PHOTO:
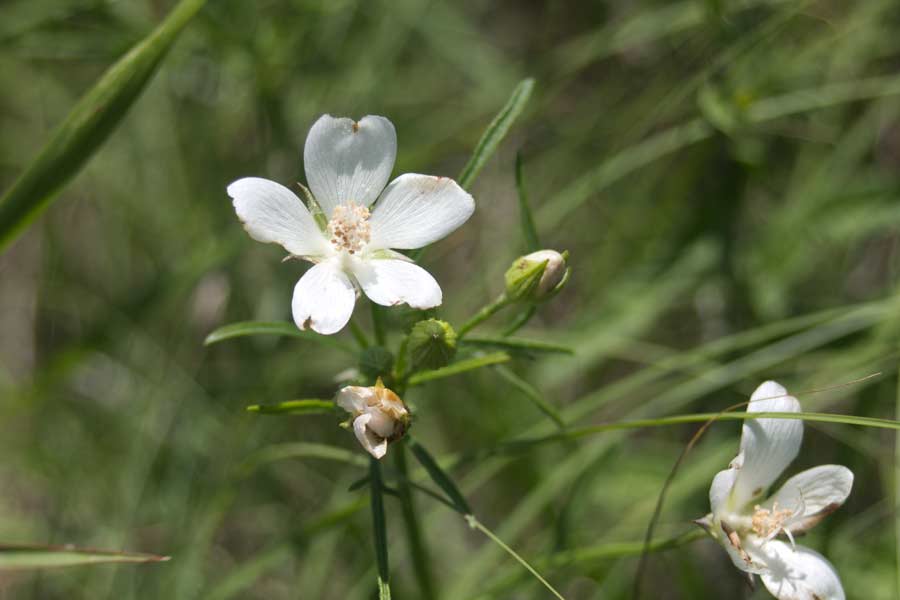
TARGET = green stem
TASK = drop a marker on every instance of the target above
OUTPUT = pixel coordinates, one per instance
(520, 321)
(359, 335)
(380, 529)
(476, 524)
(704, 417)
(483, 315)
(417, 548)
(378, 324)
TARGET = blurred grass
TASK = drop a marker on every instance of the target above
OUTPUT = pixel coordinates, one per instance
(726, 176)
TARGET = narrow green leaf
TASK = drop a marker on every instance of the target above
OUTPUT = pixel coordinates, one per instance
(294, 407)
(88, 125)
(530, 392)
(529, 231)
(14, 557)
(379, 528)
(440, 478)
(518, 345)
(460, 367)
(496, 131)
(282, 328)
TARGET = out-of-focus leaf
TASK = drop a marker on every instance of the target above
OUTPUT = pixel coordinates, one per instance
(496, 131)
(14, 557)
(284, 328)
(88, 125)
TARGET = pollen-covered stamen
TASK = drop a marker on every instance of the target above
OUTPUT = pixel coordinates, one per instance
(769, 523)
(349, 227)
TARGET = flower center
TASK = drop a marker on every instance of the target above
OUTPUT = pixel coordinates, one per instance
(349, 227)
(768, 523)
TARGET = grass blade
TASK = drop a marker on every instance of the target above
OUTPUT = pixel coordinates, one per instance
(458, 367)
(282, 328)
(14, 557)
(496, 131)
(88, 125)
(294, 407)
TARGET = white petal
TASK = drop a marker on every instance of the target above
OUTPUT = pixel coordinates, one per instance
(374, 445)
(747, 558)
(272, 213)
(416, 210)
(323, 299)
(381, 423)
(720, 489)
(391, 282)
(353, 398)
(799, 574)
(813, 492)
(768, 445)
(349, 161)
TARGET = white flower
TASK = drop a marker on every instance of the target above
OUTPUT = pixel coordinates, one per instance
(747, 525)
(347, 166)
(379, 416)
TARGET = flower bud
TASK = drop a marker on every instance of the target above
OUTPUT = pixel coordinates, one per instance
(378, 415)
(537, 276)
(432, 344)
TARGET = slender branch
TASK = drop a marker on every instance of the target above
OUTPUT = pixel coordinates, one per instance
(483, 315)
(476, 524)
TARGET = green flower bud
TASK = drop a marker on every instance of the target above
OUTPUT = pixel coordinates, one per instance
(538, 276)
(431, 345)
(375, 361)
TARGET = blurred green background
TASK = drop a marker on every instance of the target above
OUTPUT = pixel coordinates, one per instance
(726, 176)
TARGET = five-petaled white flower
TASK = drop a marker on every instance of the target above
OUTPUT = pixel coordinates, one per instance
(379, 416)
(747, 525)
(347, 165)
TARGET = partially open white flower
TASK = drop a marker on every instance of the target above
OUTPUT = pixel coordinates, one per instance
(379, 416)
(347, 166)
(747, 525)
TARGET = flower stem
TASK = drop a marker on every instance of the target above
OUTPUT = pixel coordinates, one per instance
(520, 321)
(484, 314)
(359, 335)
(378, 324)
(380, 529)
(417, 548)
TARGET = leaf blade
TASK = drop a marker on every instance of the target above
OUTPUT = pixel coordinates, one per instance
(496, 131)
(18, 557)
(88, 125)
